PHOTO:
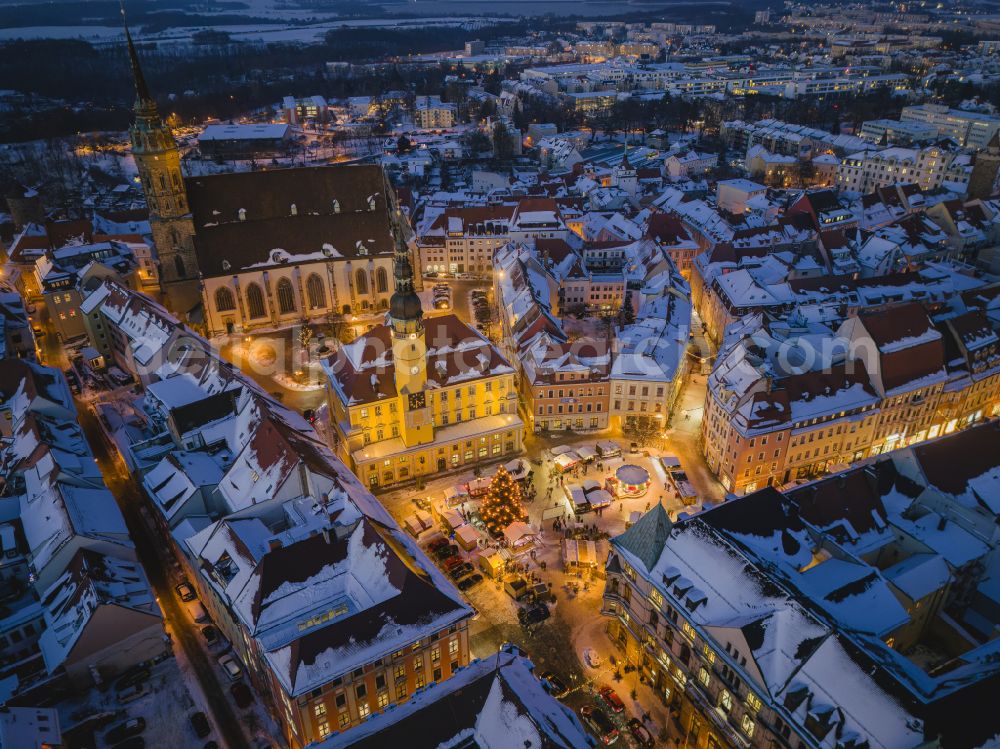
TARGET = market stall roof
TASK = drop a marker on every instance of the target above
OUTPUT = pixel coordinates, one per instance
(468, 535)
(453, 518)
(599, 498)
(609, 447)
(586, 453)
(518, 532)
(632, 475)
(579, 552)
(566, 460)
(518, 468)
(560, 450)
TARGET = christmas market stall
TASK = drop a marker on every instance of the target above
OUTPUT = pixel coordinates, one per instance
(467, 537)
(579, 555)
(492, 562)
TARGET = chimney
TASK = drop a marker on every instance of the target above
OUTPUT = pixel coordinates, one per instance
(942, 523)
(273, 544)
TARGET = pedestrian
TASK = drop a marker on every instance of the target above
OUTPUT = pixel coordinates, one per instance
(647, 507)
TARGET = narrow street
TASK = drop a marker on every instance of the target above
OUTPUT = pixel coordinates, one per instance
(156, 559)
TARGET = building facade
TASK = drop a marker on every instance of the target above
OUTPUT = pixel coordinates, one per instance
(417, 396)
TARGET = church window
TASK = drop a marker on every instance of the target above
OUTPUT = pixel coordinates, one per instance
(179, 266)
(286, 297)
(315, 292)
(224, 301)
(361, 282)
(381, 281)
(163, 181)
(255, 301)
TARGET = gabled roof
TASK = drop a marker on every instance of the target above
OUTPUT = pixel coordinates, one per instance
(645, 539)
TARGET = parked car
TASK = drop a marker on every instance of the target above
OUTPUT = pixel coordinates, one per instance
(598, 722)
(133, 676)
(446, 551)
(452, 563)
(211, 635)
(185, 592)
(592, 658)
(309, 415)
(133, 742)
(197, 612)
(118, 377)
(132, 693)
(610, 698)
(461, 571)
(633, 447)
(553, 684)
(436, 544)
(470, 582)
(640, 733)
(231, 666)
(122, 731)
(241, 694)
(200, 724)
(535, 614)
(74, 381)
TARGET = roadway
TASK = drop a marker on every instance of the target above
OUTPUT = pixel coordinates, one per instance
(157, 561)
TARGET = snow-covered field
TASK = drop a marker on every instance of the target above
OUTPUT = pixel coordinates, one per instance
(278, 32)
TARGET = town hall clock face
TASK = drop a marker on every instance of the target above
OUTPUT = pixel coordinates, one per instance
(416, 401)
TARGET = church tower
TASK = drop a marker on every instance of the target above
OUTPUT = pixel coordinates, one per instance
(409, 347)
(625, 177)
(159, 163)
(982, 181)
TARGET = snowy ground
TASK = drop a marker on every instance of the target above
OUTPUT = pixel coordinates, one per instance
(173, 696)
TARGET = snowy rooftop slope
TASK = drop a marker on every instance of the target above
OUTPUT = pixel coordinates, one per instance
(721, 591)
(381, 597)
(363, 371)
(497, 703)
(90, 581)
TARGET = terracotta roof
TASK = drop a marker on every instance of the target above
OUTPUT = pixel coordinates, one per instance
(268, 194)
(895, 323)
(667, 228)
(950, 463)
(365, 372)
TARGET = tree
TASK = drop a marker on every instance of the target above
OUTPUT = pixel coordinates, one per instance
(403, 144)
(502, 504)
(627, 314)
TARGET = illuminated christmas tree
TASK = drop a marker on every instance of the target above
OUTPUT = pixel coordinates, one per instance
(502, 504)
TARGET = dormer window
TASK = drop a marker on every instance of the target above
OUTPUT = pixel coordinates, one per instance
(335, 204)
(243, 214)
(371, 202)
(295, 210)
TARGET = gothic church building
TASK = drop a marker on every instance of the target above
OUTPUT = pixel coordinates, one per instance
(247, 250)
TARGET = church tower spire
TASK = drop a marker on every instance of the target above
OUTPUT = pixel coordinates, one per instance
(409, 344)
(158, 161)
(143, 100)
